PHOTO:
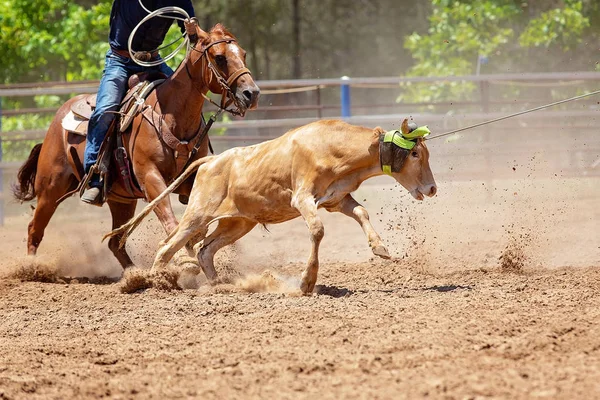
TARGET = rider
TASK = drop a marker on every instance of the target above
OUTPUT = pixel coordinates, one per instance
(124, 17)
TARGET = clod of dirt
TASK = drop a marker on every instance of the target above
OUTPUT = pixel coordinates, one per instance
(35, 270)
(166, 280)
(263, 283)
(513, 258)
(266, 282)
(136, 280)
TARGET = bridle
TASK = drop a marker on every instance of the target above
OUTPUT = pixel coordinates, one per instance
(227, 95)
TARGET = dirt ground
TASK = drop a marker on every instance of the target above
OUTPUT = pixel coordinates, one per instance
(492, 292)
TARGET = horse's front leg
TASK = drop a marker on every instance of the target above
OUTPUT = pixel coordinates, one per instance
(154, 185)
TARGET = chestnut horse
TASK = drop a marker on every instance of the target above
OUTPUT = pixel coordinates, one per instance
(214, 63)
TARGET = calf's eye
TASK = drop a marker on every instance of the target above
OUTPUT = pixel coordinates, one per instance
(414, 154)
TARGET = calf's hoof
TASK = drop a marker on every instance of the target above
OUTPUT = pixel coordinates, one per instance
(184, 260)
(307, 288)
(382, 252)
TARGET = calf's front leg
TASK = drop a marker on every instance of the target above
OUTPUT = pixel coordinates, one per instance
(305, 204)
(355, 210)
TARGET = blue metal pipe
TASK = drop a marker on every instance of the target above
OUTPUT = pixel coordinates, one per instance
(345, 98)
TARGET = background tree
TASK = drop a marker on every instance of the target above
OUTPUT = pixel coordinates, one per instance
(516, 36)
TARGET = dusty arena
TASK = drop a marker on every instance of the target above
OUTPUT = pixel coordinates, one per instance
(492, 291)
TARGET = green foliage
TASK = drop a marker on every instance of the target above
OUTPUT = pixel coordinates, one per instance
(562, 27)
(46, 40)
(459, 32)
(462, 30)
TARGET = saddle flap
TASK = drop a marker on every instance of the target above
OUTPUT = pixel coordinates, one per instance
(72, 122)
(83, 108)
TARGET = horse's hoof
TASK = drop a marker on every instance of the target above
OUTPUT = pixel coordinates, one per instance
(184, 199)
(382, 252)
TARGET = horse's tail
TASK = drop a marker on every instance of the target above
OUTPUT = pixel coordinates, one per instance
(129, 227)
(24, 189)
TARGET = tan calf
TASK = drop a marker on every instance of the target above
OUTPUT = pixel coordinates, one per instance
(317, 165)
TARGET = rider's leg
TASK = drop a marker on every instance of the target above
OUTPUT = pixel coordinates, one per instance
(111, 91)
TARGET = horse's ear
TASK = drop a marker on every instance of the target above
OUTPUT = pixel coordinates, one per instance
(404, 128)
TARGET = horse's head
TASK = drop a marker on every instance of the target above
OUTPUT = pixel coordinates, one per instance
(406, 159)
(224, 68)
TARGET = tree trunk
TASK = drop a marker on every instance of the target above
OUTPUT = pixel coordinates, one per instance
(297, 67)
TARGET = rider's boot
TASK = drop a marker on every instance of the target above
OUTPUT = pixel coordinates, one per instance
(93, 194)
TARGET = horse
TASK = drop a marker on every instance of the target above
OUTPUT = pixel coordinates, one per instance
(215, 63)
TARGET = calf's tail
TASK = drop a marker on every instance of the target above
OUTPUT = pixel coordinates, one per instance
(24, 188)
(126, 229)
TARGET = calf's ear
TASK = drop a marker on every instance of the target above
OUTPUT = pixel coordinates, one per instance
(377, 132)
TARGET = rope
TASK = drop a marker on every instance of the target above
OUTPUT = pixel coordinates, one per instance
(292, 90)
(161, 13)
(534, 84)
(515, 114)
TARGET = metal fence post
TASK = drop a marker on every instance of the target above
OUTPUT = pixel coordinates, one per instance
(319, 105)
(345, 97)
(1, 172)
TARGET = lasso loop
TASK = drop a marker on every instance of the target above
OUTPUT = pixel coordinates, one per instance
(161, 12)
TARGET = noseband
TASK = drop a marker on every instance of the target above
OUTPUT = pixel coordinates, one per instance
(227, 95)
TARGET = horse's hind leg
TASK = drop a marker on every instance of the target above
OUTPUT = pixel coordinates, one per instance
(228, 231)
(47, 198)
(121, 213)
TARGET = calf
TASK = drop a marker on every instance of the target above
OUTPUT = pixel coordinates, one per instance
(317, 165)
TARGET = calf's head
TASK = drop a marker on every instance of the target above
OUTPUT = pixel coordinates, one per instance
(405, 157)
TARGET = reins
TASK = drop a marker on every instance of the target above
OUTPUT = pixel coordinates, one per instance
(514, 114)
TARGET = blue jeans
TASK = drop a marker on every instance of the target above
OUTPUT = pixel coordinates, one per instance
(112, 89)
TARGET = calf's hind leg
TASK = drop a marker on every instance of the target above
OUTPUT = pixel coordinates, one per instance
(308, 209)
(177, 239)
(352, 208)
(228, 231)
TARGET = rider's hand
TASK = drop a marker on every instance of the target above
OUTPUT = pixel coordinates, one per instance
(190, 28)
